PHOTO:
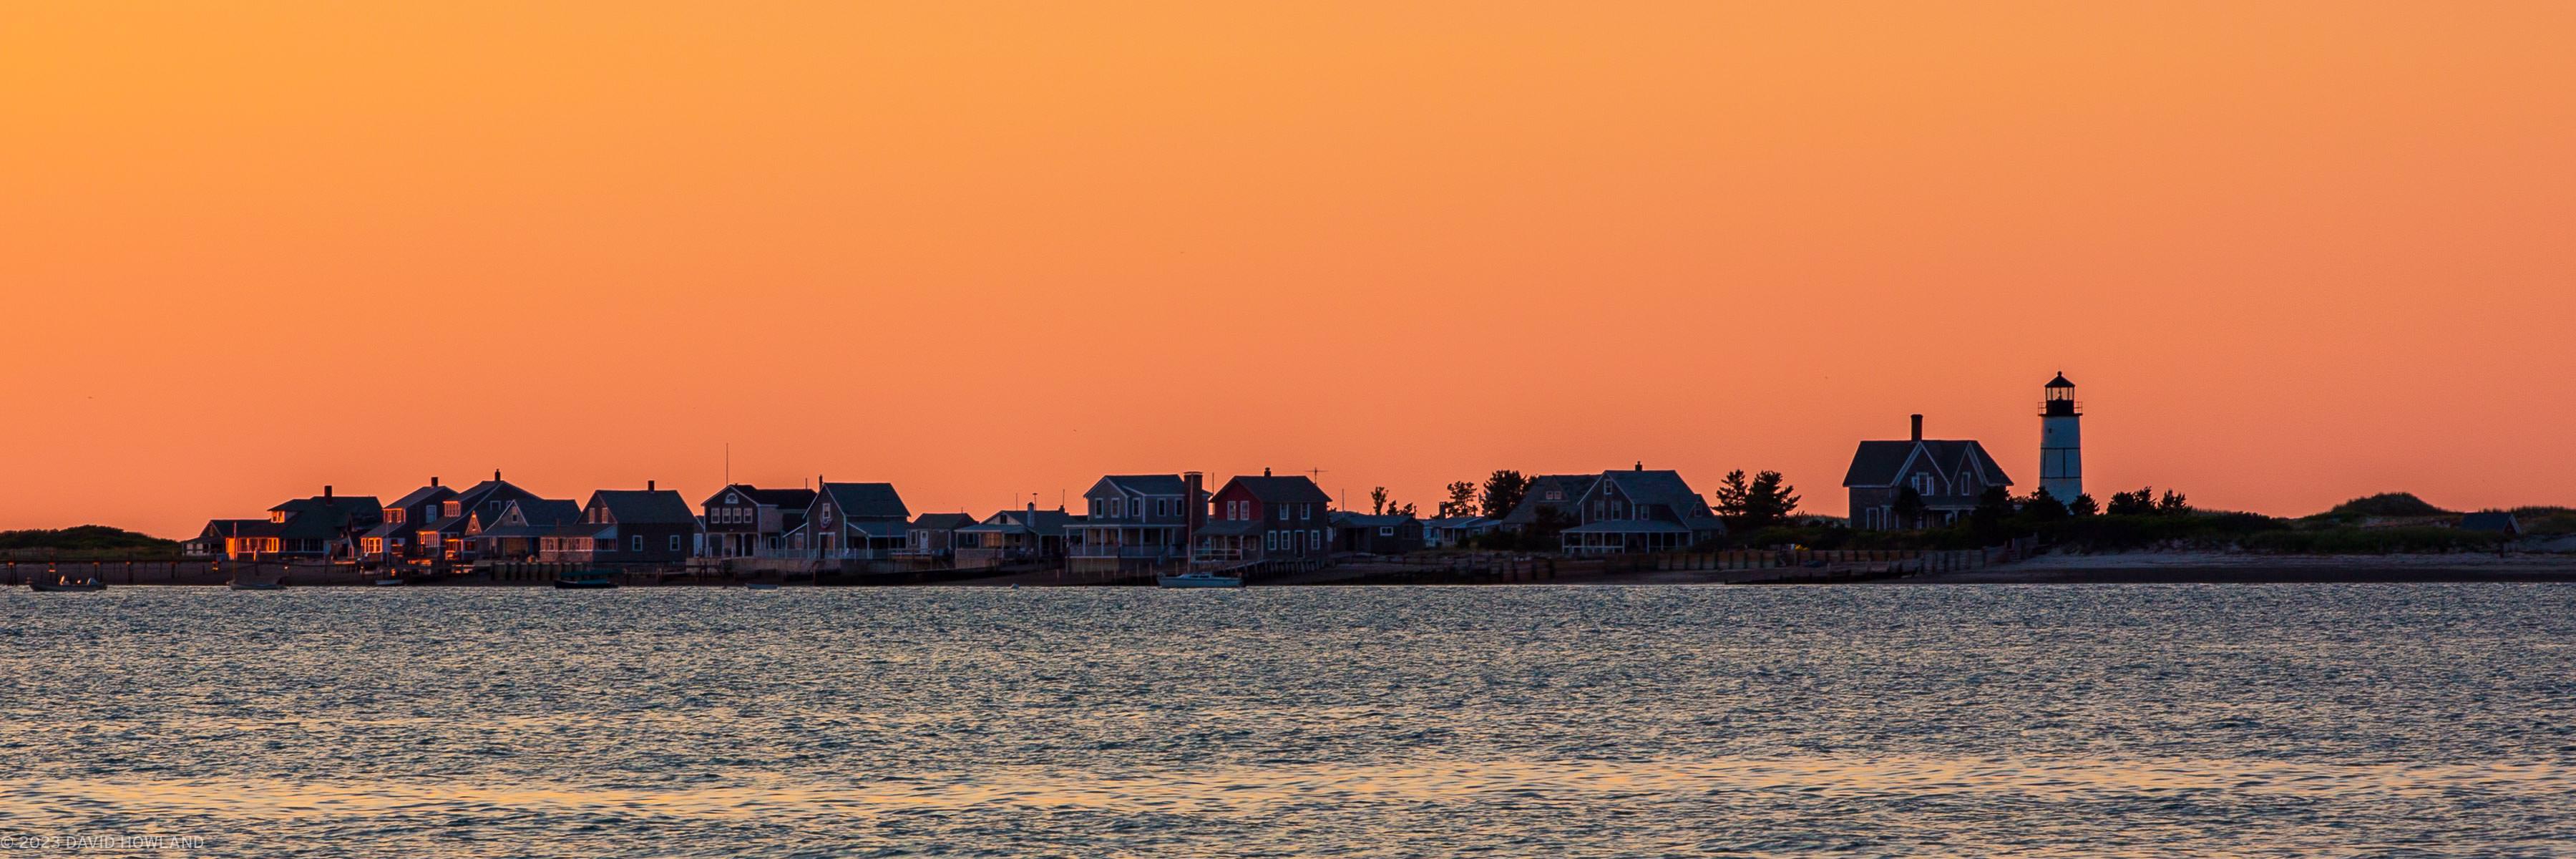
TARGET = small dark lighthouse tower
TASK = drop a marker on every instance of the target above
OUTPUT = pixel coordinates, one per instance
(2061, 442)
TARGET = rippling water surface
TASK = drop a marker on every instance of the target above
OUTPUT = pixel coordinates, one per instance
(2309, 720)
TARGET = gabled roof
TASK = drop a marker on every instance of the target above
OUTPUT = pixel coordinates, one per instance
(1147, 484)
(1571, 486)
(1292, 489)
(1882, 463)
(1659, 486)
(493, 492)
(943, 521)
(798, 498)
(362, 507)
(312, 526)
(867, 501)
(423, 495)
(1045, 522)
(881, 529)
(548, 511)
(241, 528)
(644, 506)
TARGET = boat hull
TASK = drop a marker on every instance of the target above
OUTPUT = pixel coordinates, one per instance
(258, 586)
(583, 584)
(1199, 581)
(60, 588)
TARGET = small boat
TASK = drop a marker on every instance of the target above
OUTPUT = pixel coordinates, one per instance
(386, 582)
(67, 584)
(761, 586)
(586, 580)
(257, 586)
(1199, 580)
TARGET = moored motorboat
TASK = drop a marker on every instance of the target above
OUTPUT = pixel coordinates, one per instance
(385, 582)
(68, 584)
(586, 580)
(257, 586)
(761, 586)
(1199, 580)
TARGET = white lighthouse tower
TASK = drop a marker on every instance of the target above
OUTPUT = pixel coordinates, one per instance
(2061, 442)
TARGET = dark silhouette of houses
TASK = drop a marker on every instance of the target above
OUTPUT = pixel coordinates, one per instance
(1266, 518)
(2491, 522)
(933, 536)
(1136, 520)
(392, 540)
(324, 526)
(854, 521)
(745, 521)
(1377, 534)
(465, 514)
(1548, 507)
(1028, 534)
(518, 531)
(1947, 477)
(1639, 510)
(627, 526)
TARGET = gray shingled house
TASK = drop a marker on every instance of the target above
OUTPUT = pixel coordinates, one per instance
(1947, 474)
(1640, 510)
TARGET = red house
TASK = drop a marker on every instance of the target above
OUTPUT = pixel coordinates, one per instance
(1266, 519)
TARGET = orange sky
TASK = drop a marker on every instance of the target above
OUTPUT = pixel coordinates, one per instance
(2293, 253)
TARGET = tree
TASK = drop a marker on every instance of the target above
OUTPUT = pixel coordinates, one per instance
(2174, 504)
(1909, 507)
(1992, 507)
(1377, 501)
(1770, 501)
(2084, 506)
(2043, 507)
(1734, 497)
(2139, 503)
(1462, 500)
(1504, 491)
(1542, 533)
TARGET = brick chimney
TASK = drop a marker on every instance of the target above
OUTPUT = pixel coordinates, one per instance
(433, 481)
(1918, 427)
(648, 486)
(326, 490)
(1265, 471)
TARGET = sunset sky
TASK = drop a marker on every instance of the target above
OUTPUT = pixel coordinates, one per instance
(2292, 253)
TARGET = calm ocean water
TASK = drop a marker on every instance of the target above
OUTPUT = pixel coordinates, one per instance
(2310, 720)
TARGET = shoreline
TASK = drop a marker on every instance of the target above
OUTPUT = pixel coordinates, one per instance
(2115, 568)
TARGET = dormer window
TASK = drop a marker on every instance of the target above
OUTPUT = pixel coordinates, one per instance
(452, 509)
(277, 515)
